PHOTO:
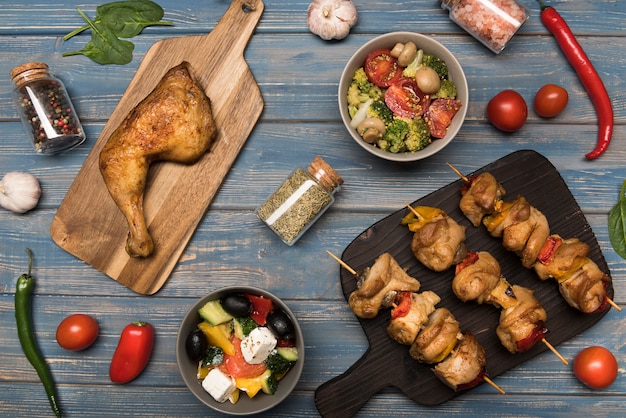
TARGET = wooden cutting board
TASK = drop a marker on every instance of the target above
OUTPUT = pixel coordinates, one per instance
(89, 225)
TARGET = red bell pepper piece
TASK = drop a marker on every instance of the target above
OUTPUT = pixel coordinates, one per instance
(132, 353)
(261, 306)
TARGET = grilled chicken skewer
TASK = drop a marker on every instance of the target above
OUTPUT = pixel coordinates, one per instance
(433, 334)
(525, 231)
(522, 319)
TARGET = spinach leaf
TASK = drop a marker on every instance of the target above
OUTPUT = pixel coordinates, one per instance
(105, 47)
(617, 224)
(128, 18)
(120, 19)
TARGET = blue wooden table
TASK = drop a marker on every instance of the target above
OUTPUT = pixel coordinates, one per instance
(298, 74)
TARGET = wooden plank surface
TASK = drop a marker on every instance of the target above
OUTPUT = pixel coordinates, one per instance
(298, 75)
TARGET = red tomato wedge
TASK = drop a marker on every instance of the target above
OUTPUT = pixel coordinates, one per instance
(440, 114)
(381, 68)
(404, 306)
(261, 306)
(237, 366)
(405, 99)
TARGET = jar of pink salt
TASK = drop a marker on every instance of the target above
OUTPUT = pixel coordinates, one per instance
(492, 22)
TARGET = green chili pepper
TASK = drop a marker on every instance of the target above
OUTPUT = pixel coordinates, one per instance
(23, 316)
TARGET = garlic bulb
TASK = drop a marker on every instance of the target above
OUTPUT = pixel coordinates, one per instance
(331, 19)
(19, 191)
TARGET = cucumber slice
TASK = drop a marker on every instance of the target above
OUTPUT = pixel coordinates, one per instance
(213, 313)
(288, 353)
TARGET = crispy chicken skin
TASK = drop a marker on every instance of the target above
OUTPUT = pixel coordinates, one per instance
(437, 339)
(440, 243)
(378, 285)
(173, 123)
(404, 329)
(480, 197)
(464, 365)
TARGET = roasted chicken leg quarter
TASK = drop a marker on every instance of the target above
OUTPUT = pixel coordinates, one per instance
(173, 123)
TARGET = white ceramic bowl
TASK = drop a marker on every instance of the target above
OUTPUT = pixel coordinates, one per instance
(430, 46)
(245, 406)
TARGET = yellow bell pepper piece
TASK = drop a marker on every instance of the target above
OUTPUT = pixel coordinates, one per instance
(420, 216)
(252, 385)
(218, 336)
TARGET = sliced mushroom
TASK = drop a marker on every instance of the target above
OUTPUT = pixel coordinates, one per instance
(371, 129)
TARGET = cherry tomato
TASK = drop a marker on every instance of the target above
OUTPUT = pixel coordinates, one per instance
(550, 100)
(440, 114)
(77, 332)
(596, 367)
(381, 68)
(405, 99)
(507, 111)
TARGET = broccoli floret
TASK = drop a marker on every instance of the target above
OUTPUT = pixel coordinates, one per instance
(436, 64)
(447, 90)
(418, 135)
(361, 90)
(411, 69)
(395, 135)
(379, 110)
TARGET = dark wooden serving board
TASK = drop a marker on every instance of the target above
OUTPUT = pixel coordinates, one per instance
(89, 225)
(387, 363)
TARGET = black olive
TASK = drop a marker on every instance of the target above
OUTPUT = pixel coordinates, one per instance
(236, 305)
(196, 344)
(279, 323)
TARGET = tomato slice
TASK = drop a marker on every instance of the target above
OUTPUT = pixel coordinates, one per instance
(405, 99)
(237, 366)
(469, 259)
(261, 306)
(440, 114)
(381, 68)
(536, 335)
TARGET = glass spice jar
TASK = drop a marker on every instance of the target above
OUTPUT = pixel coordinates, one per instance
(303, 197)
(45, 109)
(492, 22)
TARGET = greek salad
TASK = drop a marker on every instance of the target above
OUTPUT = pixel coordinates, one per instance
(243, 344)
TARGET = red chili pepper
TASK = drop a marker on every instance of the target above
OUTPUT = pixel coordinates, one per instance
(586, 73)
(132, 353)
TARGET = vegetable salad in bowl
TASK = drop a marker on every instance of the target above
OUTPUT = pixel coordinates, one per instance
(240, 350)
(401, 94)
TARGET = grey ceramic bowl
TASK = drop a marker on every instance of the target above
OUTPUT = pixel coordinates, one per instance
(430, 46)
(245, 406)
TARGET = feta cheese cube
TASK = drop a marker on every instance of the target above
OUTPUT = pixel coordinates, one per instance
(219, 385)
(257, 345)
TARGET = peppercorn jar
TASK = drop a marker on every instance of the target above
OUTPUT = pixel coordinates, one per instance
(302, 198)
(45, 109)
(492, 22)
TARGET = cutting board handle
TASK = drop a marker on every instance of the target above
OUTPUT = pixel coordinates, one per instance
(344, 395)
(238, 24)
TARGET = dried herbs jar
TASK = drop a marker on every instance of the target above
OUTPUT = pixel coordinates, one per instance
(304, 196)
(492, 22)
(45, 109)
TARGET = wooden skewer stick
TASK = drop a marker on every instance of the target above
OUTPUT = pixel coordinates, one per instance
(412, 210)
(613, 304)
(342, 263)
(551, 347)
(494, 385)
(351, 270)
(458, 173)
